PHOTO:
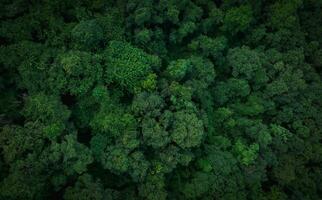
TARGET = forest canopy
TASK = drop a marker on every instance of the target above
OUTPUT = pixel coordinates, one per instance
(161, 99)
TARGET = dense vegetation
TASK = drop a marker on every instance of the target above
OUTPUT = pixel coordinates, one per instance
(161, 99)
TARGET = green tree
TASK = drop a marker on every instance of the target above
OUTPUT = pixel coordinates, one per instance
(187, 129)
(49, 111)
(120, 68)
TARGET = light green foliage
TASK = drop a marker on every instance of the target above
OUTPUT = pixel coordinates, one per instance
(150, 82)
(246, 155)
(178, 69)
(127, 65)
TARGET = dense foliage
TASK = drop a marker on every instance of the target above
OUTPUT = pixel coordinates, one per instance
(161, 99)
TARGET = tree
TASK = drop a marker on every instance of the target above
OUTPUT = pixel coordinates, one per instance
(120, 68)
(154, 133)
(247, 63)
(81, 71)
(87, 34)
(49, 112)
(87, 188)
(167, 99)
(75, 157)
(237, 19)
(153, 188)
(178, 69)
(17, 141)
(187, 129)
(209, 46)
